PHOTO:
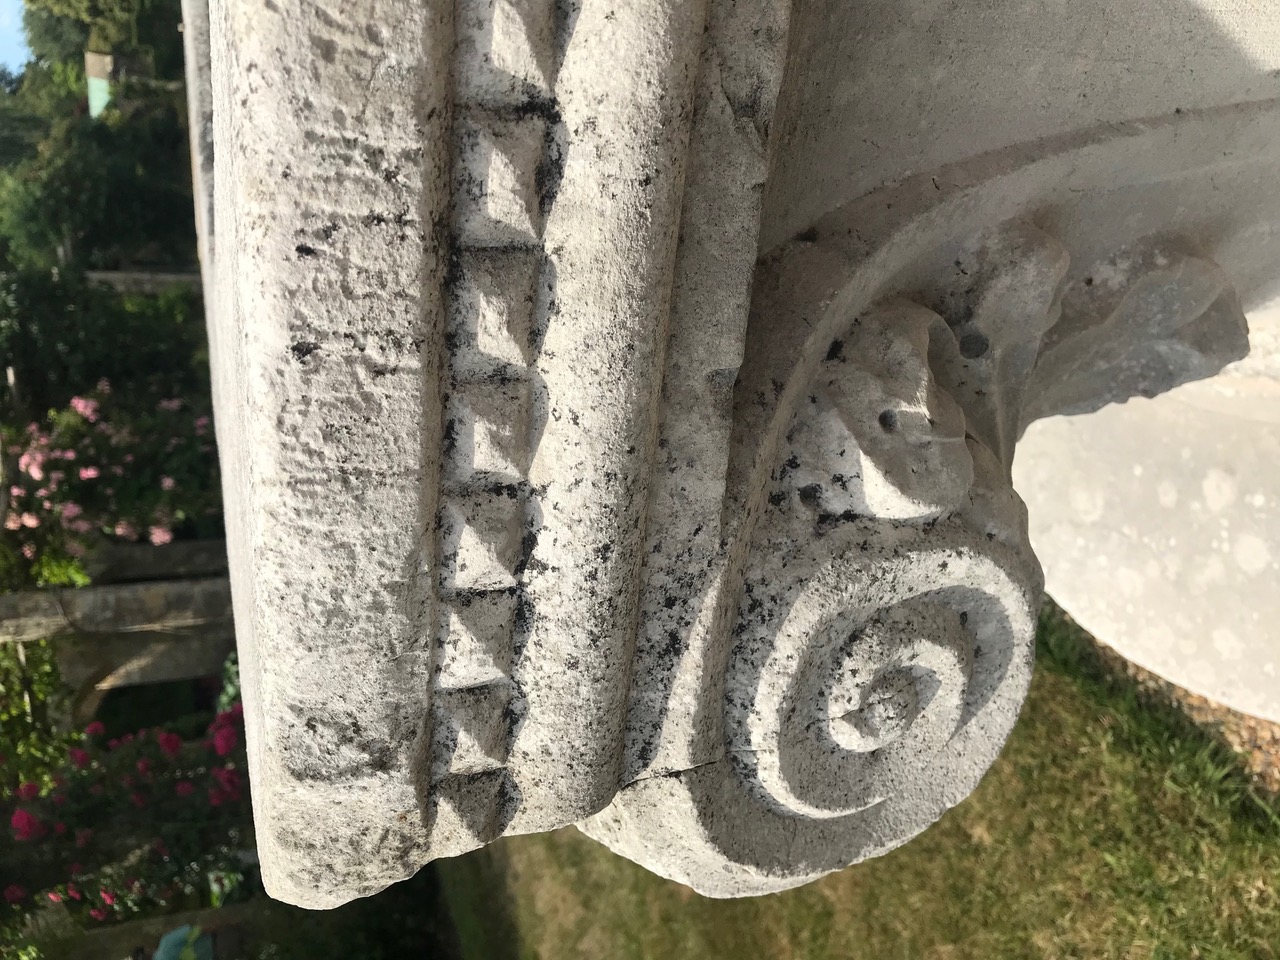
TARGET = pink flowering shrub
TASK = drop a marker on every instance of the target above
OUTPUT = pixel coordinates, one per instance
(97, 469)
(130, 825)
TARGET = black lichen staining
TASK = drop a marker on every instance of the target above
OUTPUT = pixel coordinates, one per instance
(523, 615)
(550, 170)
(828, 521)
(528, 543)
(811, 496)
(333, 748)
(835, 351)
(449, 437)
(301, 349)
(326, 47)
(973, 345)
(306, 250)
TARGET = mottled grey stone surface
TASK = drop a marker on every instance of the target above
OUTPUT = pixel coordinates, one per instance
(618, 401)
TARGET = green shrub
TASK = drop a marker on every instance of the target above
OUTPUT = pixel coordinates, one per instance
(30, 694)
(61, 335)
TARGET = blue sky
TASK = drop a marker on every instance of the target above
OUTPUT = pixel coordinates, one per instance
(13, 48)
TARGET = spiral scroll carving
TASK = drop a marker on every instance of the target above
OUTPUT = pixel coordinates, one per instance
(882, 645)
(879, 642)
(882, 622)
(856, 663)
(878, 634)
(879, 659)
(868, 705)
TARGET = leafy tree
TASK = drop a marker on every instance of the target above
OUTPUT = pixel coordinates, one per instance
(103, 194)
(88, 11)
(62, 335)
(158, 35)
(146, 30)
(53, 91)
(21, 128)
(54, 37)
(72, 9)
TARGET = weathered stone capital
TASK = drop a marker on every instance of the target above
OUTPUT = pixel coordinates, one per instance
(618, 402)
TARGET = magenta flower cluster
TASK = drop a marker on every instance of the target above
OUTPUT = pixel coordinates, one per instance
(151, 780)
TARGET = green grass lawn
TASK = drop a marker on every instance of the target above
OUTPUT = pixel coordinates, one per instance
(1110, 827)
